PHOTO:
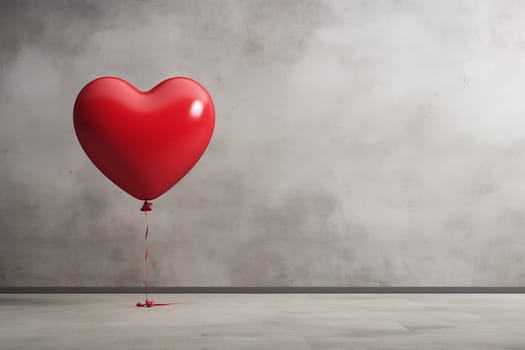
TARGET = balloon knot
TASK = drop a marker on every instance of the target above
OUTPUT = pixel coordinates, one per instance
(146, 206)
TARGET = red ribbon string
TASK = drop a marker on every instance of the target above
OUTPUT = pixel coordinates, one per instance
(147, 303)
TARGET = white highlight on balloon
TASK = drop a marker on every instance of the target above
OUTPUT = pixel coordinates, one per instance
(196, 109)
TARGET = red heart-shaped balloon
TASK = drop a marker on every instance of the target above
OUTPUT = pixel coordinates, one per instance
(144, 142)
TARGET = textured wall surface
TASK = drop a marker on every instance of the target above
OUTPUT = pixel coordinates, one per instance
(358, 143)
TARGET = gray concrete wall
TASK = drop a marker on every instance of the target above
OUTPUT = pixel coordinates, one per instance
(358, 143)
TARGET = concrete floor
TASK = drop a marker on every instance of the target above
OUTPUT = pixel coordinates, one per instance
(264, 321)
